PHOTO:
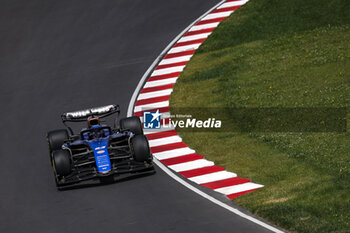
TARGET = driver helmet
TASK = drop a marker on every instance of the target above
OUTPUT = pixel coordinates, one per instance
(96, 131)
(92, 121)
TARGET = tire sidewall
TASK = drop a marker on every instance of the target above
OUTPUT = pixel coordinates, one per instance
(61, 161)
(140, 148)
(56, 139)
(131, 123)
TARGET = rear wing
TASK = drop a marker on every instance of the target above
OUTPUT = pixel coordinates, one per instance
(83, 115)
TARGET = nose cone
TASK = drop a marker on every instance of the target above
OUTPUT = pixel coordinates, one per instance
(102, 160)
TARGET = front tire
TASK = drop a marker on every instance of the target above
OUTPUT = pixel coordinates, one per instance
(140, 148)
(61, 161)
(133, 124)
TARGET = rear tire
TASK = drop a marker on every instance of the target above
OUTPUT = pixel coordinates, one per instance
(133, 124)
(140, 148)
(56, 139)
(62, 162)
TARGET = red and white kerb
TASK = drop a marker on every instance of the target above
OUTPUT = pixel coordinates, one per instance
(166, 145)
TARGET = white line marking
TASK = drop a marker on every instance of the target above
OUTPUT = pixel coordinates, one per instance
(151, 106)
(160, 82)
(164, 141)
(194, 37)
(199, 163)
(173, 153)
(238, 188)
(204, 26)
(162, 166)
(153, 94)
(212, 199)
(230, 4)
(221, 175)
(175, 60)
(184, 48)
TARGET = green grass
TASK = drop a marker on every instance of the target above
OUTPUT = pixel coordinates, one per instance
(279, 54)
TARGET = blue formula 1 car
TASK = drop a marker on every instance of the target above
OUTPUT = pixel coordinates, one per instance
(98, 152)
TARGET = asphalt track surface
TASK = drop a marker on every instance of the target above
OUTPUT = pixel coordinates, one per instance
(58, 56)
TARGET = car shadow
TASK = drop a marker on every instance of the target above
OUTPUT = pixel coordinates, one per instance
(110, 181)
